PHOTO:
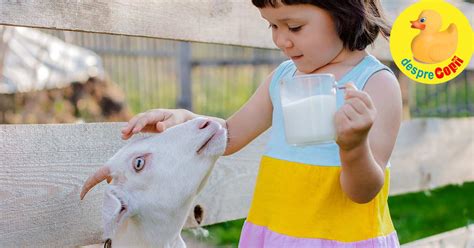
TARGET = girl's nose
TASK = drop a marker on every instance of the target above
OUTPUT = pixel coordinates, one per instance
(282, 41)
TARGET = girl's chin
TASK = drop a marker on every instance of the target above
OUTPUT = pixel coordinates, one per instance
(307, 68)
(304, 69)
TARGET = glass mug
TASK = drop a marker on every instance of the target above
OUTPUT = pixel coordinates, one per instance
(309, 105)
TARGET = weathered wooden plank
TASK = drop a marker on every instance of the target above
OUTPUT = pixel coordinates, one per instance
(41, 171)
(216, 21)
(460, 237)
(235, 22)
(432, 152)
(42, 168)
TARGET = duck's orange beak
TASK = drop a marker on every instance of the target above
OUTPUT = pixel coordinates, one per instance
(418, 25)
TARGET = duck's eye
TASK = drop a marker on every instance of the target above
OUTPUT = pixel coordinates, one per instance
(423, 19)
(139, 164)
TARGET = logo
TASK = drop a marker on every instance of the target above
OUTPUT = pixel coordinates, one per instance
(431, 42)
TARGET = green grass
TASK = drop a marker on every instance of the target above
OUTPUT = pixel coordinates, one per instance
(415, 215)
(419, 215)
(158, 96)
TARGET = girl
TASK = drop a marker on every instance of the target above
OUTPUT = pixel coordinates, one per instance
(327, 195)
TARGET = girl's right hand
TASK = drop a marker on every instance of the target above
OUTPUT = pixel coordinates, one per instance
(155, 121)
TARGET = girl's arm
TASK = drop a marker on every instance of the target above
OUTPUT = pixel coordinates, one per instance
(367, 127)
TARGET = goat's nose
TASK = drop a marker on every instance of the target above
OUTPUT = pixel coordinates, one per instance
(204, 123)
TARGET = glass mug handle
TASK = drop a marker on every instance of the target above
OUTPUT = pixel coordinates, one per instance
(342, 87)
(336, 87)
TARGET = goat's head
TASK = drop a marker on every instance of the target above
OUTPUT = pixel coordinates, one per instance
(156, 178)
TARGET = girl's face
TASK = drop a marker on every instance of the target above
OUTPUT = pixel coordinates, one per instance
(305, 33)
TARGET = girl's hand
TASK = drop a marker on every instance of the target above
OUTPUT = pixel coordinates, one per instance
(155, 121)
(354, 119)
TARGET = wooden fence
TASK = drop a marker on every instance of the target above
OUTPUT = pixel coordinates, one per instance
(42, 167)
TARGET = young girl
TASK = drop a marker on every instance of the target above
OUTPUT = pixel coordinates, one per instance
(328, 195)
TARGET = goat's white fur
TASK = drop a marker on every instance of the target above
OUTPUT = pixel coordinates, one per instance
(158, 198)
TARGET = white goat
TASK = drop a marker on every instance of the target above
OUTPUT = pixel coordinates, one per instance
(154, 181)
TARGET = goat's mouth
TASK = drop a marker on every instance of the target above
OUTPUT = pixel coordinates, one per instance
(123, 209)
(201, 149)
(114, 211)
(213, 143)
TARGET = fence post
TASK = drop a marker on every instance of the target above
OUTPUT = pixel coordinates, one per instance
(184, 70)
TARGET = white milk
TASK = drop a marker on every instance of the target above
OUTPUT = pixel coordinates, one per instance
(310, 120)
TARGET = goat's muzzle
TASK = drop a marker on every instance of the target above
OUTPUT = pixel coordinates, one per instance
(103, 173)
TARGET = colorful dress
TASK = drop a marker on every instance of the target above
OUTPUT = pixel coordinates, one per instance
(298, 200)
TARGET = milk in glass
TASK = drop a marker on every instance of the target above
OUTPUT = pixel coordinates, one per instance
(310, 120)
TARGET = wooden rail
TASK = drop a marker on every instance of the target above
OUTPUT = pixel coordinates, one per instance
(461, 237)
(233, 22)
(42, 168)
(226, 22)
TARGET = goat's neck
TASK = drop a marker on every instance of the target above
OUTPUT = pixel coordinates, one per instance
(135, 234)
(158, 229)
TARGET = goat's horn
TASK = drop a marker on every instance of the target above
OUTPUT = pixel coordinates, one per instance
(100, 175)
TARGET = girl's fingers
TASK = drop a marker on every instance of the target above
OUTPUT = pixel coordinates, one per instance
(355, 121)
(350, 86)
(350, 112)
(125, 136)
(165, 122)
(146, 128)
(148, 122)
(358, 105)
(140, 124)
(353, 92)
(160, 127)
(125, 133)
(132, 123)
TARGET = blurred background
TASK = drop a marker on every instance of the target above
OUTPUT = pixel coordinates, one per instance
(136, 74)
(50, 76)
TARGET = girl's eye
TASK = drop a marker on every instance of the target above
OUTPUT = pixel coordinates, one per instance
(423, 19)
(294, 29)
(271, 26)
(139, 164)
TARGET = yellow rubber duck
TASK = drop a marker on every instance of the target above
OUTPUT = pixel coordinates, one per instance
(431, 45)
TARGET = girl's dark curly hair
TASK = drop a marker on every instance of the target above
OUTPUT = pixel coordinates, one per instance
(358, 22)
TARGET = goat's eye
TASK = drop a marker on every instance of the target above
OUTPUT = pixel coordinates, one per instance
(139, 164)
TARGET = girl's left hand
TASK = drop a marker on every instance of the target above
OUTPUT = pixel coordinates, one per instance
(354, 119)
